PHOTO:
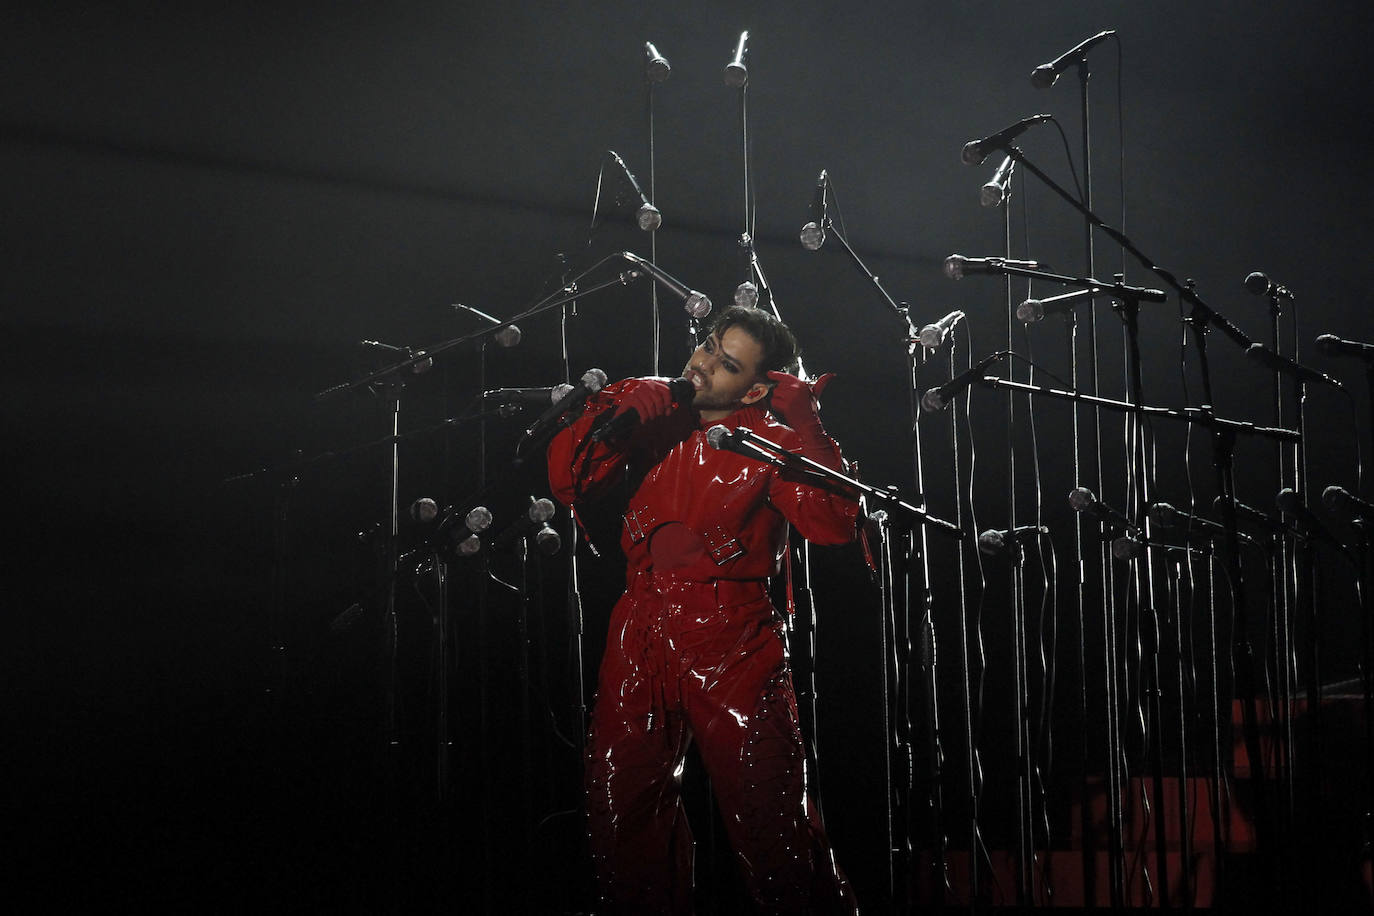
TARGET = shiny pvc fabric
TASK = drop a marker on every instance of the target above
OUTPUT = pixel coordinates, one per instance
(696, 652)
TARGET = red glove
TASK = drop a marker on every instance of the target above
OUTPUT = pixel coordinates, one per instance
(651, 398)
(798, 403)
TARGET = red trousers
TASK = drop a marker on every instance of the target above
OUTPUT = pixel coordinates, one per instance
(702, 661)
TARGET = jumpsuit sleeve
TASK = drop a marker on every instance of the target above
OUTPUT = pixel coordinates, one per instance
(580, 469)
(822, 517)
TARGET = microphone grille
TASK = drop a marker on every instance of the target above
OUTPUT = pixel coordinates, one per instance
(973, 153)
(1257, 283)
(1127, 548)
(1328, 344)
(812, 236)
(991, 542)
(1333, 497)
(736, 75)
(649, 218)
(954, 266)
(1082, 499)
(424, 510)
(1164, 514)
(1031, 311)
(716, 436)
(547, 541)
(991, 195)
(1288, 501)
(1044, 76)
(933, 400)
(508, 336)
(697, 305)
(747, 294)
(931, 336)
(594, 379)
(559, 392)
(656, 66)
(478, 519)
(541, 510)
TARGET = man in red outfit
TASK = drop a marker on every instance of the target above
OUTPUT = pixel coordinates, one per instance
(696, 649)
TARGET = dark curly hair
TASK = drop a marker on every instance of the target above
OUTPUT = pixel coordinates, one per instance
(780, 351)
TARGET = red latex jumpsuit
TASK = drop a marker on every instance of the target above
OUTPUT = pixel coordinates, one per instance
(695, 652)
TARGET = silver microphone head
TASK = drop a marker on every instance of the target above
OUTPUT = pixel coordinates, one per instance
(424, 510)
(716, 436)
(648, 217)
(656, 66)
(954, 266)
(1127, 548)
(508, 336)
(594, 379)
(812, 236)
(931, 336)
(470, 546)
(747, 294)
(1082, 499)
(541, 510)
(736, 73)
(696, 304)
(547, 541)
(478, 519)
(1030, 311)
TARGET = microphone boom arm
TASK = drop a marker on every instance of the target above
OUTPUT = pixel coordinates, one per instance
(773, 453)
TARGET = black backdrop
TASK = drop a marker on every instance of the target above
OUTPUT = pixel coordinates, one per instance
(206, 210)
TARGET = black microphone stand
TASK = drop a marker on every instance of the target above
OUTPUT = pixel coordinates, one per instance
(1115, 762)
(917, 559)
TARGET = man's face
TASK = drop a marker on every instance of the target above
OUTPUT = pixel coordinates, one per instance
(725, 372)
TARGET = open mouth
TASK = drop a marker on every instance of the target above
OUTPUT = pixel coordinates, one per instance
(696, 378)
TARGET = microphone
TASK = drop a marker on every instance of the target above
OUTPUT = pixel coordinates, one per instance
(1260, 284)
(1044, 76)
(593, 380)
(423, 511)
(956, 265)
(532, 519)
(1169, 517)
(1127, 547)
(648, 216)
(1268, 358)
(996, 542)
(1033, 310)
(736, 73)
(998, 189)
(527, 397)
(508, 336)
(1252, 515)
(465, 534)
(622, 424)
(694, 303)
(1084, 500)
(656, 66)
(975, 151)
(932, 335)
(1341, 501)
(721, 437)
(419, 368)
(1332, 345)
(936, 398)
(813, 233)
(747, 293)
(1290, 501)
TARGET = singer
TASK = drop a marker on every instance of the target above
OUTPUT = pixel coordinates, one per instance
(696, 650)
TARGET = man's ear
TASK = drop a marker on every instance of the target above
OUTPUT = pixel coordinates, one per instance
(757, 392)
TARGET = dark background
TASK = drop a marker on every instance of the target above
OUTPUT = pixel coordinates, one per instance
(205, 211)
